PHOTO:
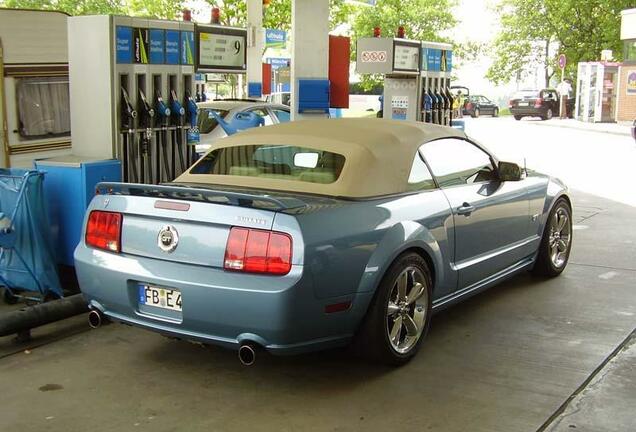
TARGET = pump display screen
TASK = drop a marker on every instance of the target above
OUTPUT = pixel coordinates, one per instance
(406, 56)
(221, 49)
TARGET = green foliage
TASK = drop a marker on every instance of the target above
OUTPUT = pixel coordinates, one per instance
(580, 29)
(424, 20)
(167, 9)
(277, 15)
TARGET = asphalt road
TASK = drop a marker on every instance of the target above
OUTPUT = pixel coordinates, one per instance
(528, 355)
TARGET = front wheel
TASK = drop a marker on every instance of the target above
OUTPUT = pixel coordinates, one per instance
(399, 315)
(556, 243)
(548, 114)
(517, 117)
(495, 112)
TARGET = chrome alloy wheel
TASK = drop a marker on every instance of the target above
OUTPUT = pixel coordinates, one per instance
(560, 237)
(406, 310)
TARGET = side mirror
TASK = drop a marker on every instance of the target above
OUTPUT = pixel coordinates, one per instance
(509, 171)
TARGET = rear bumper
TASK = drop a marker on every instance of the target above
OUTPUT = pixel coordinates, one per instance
(528, 111)
(219, 307)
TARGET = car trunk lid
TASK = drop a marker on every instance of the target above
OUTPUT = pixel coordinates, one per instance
(186, 224)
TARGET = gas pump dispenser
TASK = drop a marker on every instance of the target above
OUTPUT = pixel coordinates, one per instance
(140, 72)
(416, 77)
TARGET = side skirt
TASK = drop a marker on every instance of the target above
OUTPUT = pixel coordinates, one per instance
(471, 290)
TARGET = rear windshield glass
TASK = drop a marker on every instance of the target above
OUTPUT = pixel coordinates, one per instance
(526, 94)
(273, 161)
(205, 122)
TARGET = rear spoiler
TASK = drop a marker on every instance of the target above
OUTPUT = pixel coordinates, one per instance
(199, 194)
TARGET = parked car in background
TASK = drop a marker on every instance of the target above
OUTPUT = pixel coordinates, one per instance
(313, 234)
(210, 130)
(538, 103)
(476, 105)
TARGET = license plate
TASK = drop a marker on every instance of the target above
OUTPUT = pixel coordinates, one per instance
(164, 298)
(524, 103)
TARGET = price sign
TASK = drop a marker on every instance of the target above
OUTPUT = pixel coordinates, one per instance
(406, 57)
(221, 49)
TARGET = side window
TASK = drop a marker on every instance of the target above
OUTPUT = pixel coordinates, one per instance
(282, 115)
(457, 162)
(43, 107)
(420, 177)
(263, 113)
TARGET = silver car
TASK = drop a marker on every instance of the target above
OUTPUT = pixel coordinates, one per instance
(211, 131)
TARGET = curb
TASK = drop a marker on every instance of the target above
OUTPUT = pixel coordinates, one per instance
(565, 126)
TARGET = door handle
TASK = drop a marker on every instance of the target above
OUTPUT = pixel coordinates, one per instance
(465, 209)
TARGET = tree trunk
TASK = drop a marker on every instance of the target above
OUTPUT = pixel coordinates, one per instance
(547, 63)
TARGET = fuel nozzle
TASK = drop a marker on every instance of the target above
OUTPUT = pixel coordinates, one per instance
(191, 108)
(128, 113)
(147, 114)
(176, 108)
(161, 107)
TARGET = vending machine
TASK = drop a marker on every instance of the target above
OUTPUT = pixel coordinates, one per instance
(596, 92)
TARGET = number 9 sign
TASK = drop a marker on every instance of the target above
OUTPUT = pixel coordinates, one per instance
(237, 47)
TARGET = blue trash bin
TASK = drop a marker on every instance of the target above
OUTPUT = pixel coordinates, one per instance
(27, 263)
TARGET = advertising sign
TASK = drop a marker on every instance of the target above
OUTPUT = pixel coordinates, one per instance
(157, 46)
(278, 62)
(124, 43)
(631, 82)
(172, 39)
(140, 45)
(406, 56)
(275, 38)
(221, 49)
(187, 48)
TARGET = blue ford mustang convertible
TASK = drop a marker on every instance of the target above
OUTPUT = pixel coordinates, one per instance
(315, 234)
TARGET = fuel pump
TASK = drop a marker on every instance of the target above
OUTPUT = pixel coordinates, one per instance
(146, 123)
(446, 105)
(162, 140)
(451, 100)
(434, 107)
(127, 121)
(177, 115)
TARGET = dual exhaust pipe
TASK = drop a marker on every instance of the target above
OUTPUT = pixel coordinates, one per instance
(246, 352)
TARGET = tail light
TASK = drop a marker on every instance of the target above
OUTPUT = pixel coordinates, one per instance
(511, 103)
(469, 105)
(103, 230)
(258, 251)
(538, 103)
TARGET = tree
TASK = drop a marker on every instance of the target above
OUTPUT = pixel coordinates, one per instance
(534, 33)
(423, 20)
(166, 9)
(277, 15)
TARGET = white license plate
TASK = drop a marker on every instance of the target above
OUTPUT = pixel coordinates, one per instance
(164, 298)
(524, 103)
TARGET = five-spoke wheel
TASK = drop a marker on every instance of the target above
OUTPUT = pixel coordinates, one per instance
(556, 243)
(406, 309)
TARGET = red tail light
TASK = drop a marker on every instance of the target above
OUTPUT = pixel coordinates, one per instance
(469, 105)
(538, 103)
(258, 251)
(511, 103)
(103, 231)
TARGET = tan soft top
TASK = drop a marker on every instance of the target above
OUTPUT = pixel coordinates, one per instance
(378, 154)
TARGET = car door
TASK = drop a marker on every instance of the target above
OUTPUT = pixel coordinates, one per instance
(490, 106)
(491, 217)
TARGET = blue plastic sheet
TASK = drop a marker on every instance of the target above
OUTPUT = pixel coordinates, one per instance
(26, 259)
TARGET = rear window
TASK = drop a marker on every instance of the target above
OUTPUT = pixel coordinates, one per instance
(205, 122)
(526, 94)
(282, 162)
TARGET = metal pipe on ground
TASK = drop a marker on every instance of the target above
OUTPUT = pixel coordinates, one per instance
(38, 315)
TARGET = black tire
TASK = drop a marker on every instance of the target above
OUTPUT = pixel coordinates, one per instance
(9, 298)
(518, 117)
(544, 266)
(548, 115)
(379, 114)
(372, 339)
(495, 112)
(475, 113)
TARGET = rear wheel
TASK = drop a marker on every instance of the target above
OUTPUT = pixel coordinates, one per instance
(554, 250)
(548, 114)
(476, 113)
(399, 315)
(517, 117)
(495, 112)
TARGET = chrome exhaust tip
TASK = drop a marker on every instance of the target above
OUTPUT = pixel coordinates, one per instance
(247, 354)
(95, 319)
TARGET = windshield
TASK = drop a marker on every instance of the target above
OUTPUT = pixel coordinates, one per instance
(207, 124)
(281, 162)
